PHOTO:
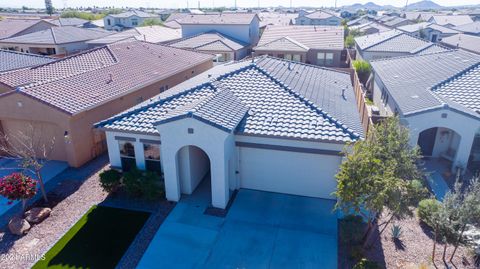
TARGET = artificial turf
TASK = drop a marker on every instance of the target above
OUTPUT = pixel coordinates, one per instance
(98, 240)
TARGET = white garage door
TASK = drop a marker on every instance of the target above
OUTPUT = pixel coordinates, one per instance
(288, 172)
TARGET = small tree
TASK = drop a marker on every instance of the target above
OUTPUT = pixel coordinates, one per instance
(151, 21)
(380, 173)
(363, 69)
(49, 7)
(32, 148)
(16, 187)
(349, 41)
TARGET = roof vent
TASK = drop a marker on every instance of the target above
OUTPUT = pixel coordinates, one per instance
(290, 66)
(110, 78)
(343, 93)
(414, 96)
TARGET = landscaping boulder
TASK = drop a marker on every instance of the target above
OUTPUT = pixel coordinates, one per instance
(18, 226)
(37, 214)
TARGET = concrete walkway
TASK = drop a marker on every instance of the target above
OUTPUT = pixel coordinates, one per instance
(261, 230)
(434, 170)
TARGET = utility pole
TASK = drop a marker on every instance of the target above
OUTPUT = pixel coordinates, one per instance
(198, 4)
(406, 4)
(235, 4)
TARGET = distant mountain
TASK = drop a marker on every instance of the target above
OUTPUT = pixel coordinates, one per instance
(423, 5)
(369, 5)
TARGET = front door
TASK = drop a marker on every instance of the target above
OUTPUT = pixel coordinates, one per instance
(426, 141)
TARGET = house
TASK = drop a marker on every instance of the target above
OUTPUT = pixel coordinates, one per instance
(64, 98)
(318, 17)
(370, 28)
(275, 18)
(437, 96)
(251, 124)
(153, 34)
(361, 20)
(429, 31)
(318, 45)
(466, 42)
(450, 20)
(173, 19)
(244, 27)
(224, 47)
(392, 43)
(57, 41)
(17, 27)
(11, 60)
(77, 22)
(469, 28)
(417, 15)
(129, 19)
(397, 22)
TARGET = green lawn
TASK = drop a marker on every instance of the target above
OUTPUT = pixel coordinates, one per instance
(98, 240)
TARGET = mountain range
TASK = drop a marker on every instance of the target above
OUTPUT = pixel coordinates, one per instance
(422, 5)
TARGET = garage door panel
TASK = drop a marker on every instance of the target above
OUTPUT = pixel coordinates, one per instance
(288, 172)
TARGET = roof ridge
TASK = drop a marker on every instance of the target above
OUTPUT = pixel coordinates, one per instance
(284, 37)
(457, 75)
(304, 64)
(27, 54)
(309, 103)
(386, 39)
(412, 55)
(53, 35)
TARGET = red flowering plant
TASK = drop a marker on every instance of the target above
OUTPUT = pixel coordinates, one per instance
(18, 186)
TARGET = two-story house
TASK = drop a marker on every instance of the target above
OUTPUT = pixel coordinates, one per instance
(318, 17)
(129, 19)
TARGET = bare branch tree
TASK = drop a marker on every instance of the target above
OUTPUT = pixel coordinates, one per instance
(32, 147)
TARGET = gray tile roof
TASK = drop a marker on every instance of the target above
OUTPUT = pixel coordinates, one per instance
(152, 34)
(256, 99)
(222, 18)
(451, 19)
(11, 60)
(11, 27)
(213, 41)
(363, 27)
(301, 37)
(137, 13)
(394, 41)
(58, 35)
(469, 28)
(275, 18)
(424, 25)
(320, 14)
(464, 41)
(69, 22)
(413, 81)
(84, 80)
(394, 22)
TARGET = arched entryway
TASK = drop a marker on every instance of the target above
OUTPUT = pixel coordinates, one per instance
(439, 142)
(193, 170)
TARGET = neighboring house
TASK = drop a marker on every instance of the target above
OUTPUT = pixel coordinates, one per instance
(129, 19)
(241, 123)
(469, 28)
(392, 44)
(244, 27)
(318, 17)
(318, 45)
(370, 28)
(11, 60)
(57, 41)
(77, 22)
(417, 15)
(276, 18)
(437, 98)
(429, 31)
(94, 24)
(361, 20)
(466, 42)
(153, 34)
(450, 20)
(224, 48)
(64, 98)
(397, 22)
(173, 20)
(17, 27)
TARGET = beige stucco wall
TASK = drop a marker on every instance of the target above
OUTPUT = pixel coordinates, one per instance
(83, 144)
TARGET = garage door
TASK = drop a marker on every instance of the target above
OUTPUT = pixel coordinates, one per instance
(288, 172)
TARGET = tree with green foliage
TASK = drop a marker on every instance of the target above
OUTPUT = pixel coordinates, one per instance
(363, 69)
(349, 41)
(49, 7)
(380, 172)
(82, 15)
(151, 21)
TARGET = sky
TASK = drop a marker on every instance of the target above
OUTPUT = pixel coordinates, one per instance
(216, 3)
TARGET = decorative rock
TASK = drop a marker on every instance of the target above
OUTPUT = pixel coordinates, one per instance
(18, 226)
(37, 214)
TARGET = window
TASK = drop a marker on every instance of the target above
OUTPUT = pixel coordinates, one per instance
(288, 57)
(109, 22)
(127, 155)
(134, 22)
(152, 157)
(139, 99)
(321, 58)
(280, 55)
(297, 57)
(162, 88)
(328, 59)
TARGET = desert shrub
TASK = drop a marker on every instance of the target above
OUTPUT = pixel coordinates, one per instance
(110, 180)
(363, 69)
(396, 232)
(426, 209)
(366, 264)
(147, 185)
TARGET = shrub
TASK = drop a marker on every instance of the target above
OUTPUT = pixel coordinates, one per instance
(363, 69)
(426, 209)
(17, 186)
(110, 180)
(132, 181)
(349, 41)
(352, 230)
(152, 21)
(366, 264)
(144, 184)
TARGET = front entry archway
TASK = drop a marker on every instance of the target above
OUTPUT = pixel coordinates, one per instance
(193, 166)
(439, 142)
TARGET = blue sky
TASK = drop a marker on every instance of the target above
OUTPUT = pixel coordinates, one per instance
(209, 3)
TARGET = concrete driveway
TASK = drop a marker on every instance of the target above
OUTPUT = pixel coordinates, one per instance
(261, 230)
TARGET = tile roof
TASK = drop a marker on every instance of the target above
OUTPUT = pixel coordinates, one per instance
(152, 34)
(222, 18)
(320, 15)
(301, 37)
(11, 27)
(212, 41)
(413, 81)
(469, 28)
(69, 22)
(270, 97)
(84, 80)
(394, 41)
(11, 60)
(130, 13)
(275, 18)
(363, 27)
(58, 35)
(424, 25)
(464, 41)
(455, 20)
(394, 22)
